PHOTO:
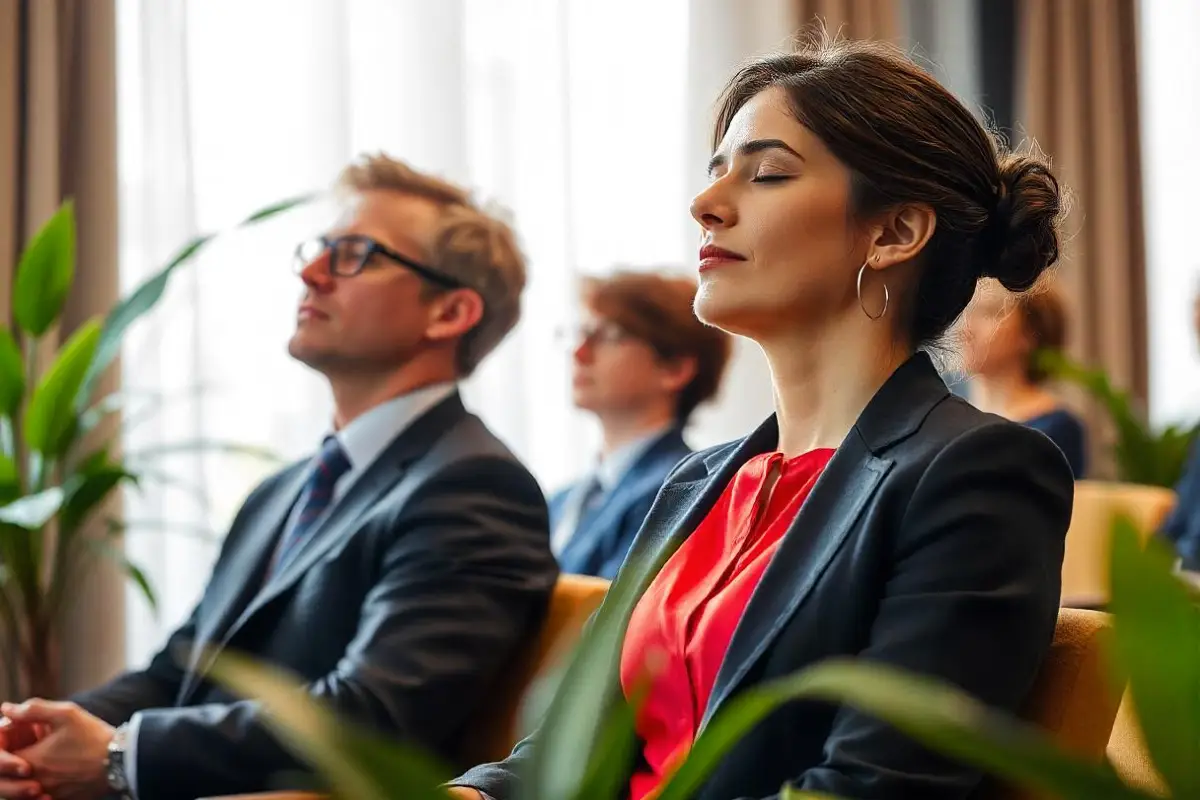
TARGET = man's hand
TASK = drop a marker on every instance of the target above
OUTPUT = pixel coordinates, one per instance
(67, 763)
(15, 780)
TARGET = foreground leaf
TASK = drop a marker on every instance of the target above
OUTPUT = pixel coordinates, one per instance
(50, 421)
(87, 489)
(12, 374)
(32, 512)
(1157, 636)
(942, 718)
(150, 292)
(357, 764)
(45, 273)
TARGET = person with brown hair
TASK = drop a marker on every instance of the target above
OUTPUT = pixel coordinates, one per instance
(642, 363)
(853, 205)
(1002, 336)
(396, 572)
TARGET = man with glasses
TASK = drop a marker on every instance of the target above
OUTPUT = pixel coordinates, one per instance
(397, 572)
(642, 363)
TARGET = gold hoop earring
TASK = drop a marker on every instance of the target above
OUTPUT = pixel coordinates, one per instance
(886, 295)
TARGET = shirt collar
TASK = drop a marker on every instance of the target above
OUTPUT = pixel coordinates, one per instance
(610, 470)
(367, 436)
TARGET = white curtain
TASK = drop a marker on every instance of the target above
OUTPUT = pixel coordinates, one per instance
(588, 121)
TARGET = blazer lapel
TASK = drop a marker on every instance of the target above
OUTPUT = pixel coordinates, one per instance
(822, 525)
(828, 516)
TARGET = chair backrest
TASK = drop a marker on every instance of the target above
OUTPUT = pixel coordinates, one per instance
(1128, 754)
(1072, 698)
(1085, 563)
(496, 728)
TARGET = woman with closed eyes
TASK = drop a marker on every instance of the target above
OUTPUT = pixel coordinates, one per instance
(852, 207)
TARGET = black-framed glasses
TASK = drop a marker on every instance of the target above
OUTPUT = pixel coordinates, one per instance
(592, 333)
(350, 254)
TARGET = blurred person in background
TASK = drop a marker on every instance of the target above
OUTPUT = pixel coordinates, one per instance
(853, 205)
(1182, 527)
(1002, 335)
(641, 364)
(396, 572)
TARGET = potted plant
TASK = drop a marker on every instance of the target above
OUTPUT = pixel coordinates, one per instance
(1142, 454)
(584, 747)
(54, 476)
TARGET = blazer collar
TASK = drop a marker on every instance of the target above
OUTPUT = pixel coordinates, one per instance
(893, 414)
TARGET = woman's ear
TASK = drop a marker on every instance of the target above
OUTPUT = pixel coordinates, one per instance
(901, 235)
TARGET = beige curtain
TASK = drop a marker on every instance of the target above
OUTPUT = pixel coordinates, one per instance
(851, 19)
(1078, 99)
(58, 139)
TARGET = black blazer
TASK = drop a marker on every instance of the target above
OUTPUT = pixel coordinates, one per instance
(933, 541)
(400, 611)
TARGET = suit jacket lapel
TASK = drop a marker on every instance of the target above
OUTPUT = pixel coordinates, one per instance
(413, 443)
(828, 516)
(236, 583)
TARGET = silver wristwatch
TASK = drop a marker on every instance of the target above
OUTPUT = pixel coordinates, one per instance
(114, 765)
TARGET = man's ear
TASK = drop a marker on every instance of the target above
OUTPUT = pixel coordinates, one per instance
(454, 313)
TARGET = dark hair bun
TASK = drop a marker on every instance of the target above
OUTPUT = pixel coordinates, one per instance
(1021, 238)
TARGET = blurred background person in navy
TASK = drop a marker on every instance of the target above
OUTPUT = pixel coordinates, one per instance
(641, 363)
(1002, 335)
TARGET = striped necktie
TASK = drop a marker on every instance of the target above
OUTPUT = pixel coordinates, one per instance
(330, 464)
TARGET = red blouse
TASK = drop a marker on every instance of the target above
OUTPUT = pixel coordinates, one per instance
(684, 622)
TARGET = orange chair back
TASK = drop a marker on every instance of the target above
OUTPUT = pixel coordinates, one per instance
(496, 729)
(1072, 698)
(1085, 562)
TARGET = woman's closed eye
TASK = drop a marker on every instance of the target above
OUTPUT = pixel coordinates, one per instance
(771, 177)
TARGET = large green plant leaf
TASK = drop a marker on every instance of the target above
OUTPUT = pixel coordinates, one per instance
(357, 764)
(10, 487)
(1157, 639)
(941, 717)
(33, 511)
(146, 297)
(45, 273)
(92, 483)
(50, 420)
(12, 374)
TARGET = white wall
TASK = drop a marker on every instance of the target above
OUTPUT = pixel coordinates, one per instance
(1170, 108)
(721, 35)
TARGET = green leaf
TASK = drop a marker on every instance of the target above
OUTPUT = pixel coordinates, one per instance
(1157, 644)
(33, 511)
(356, 763)
(150, 292)
(10, 486)
(131, 570)
(12, 374)
(50, 421)
(87, 489)
(935, 714)
(607, 768)
(45, 273)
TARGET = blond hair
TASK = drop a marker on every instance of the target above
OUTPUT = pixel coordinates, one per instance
(472, 245)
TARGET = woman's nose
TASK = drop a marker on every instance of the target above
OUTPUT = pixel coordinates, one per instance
(712, 208)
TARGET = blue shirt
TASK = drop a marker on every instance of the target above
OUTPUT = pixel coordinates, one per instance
(1183, 524)
(1066, 431)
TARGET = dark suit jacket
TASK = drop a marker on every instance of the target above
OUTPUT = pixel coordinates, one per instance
(400, 610)
(604, 535)
(933, 541)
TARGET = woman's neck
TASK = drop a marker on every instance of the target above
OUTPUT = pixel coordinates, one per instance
(1011, 395)
(823, 381)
